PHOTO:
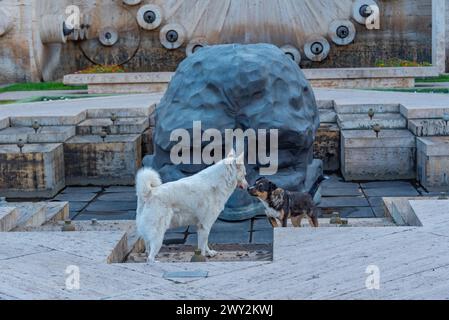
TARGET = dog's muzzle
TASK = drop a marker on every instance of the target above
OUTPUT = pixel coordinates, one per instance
(252, 191)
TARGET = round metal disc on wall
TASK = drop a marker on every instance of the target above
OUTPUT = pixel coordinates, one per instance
(317, 48)
(108, 36)
(361, 10)
(342, 32)
(173, 36)
(292, 53)
(195, 45)
(132, 2)
(113, 38)
(149, 17)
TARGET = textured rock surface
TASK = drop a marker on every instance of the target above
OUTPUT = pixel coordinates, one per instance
(247, 87)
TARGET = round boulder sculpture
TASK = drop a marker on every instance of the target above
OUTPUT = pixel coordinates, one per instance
(247, 87)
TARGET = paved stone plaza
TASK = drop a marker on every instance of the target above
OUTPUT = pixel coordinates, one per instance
(351, 200)
(321, 263)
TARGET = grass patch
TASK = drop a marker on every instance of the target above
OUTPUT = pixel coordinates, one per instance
(418, 90)
(400, 63)
(113, 68)
(441, 78)
(40, 86)
(3, 102)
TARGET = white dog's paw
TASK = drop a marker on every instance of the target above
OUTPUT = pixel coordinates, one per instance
(211, 253)
(150, 261)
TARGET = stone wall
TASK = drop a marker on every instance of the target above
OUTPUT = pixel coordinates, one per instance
(405, 33)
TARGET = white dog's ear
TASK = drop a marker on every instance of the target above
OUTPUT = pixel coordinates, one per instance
(231, 153)
(241, 159)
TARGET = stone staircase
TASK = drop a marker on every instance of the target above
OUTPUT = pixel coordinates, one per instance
(21, 216)
(41, 155)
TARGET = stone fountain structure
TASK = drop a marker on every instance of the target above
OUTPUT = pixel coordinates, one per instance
(156, 35)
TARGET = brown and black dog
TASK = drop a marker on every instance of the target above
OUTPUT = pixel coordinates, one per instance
(282, 204)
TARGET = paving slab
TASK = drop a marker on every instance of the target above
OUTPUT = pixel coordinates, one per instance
(338, 202)
(118, 197)
(108, 206)
(241, 237)
(119, 189)
(379, 212)
(406, 191)
(261, 224)
(82, 190)
(75, 197)
(262, 237)
(116, 215)
(77, 206)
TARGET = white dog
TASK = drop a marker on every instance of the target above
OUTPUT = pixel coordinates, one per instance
(196, 200)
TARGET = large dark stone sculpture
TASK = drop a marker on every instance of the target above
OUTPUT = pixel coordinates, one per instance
(241, 86)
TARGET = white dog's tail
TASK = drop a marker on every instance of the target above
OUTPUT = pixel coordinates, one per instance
(146, 181)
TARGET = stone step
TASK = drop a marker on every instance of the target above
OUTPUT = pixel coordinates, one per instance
(365, 108)
(68, 120)
(328, 116)
(121, 112)
(121, 126)
(363, 122)
(325, 104)
(29, 214)
(8, 218)
(53, 134)
(429, 127)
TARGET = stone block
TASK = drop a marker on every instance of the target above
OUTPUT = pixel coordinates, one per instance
(122, 126)
(365, 108)
(328, 116)
(141, 112)
(391, 156)
(147, 142)
(91, 161)
(27, 121)
(429, 127)
(54, 134)
(8, 218)
(38, 172)
(433, 163)
(363, 121)
(4, 123)
(327, 146)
